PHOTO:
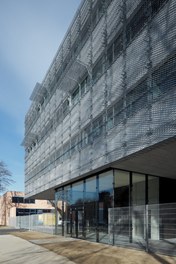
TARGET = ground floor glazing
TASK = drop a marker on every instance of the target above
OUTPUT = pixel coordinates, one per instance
(114, 205)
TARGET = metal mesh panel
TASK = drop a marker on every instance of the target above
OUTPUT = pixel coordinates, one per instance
(162, 219)
(114, 18)
(98, 97)
(84, 12)
(66, 128)
(131, 6)
(66, 46)
(75, 165)
(75, 119)
(114, 80)
(136, 59)
(58, 61)
(58, 133)
(115, 141)
(85, 159)
(99, 158)
(135, 99)
(85, 52)
(151, 227)
(74, 31)
(163, 33)
(66, 170)
(59, 171)
(85, 109)
(40, 222)
(97, 40)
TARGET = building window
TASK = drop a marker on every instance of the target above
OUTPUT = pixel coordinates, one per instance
(110, 55)
(65, 107)
(17, 199)
(110, 119)
(74, 144)
(66, 151)
(58, 154)
(118, 46)
(84, 84)
(97, 127)
(98, 70)
(136, 23)
(86, 136)
(156, 4)
(58, 116)
(90, 207)
(164, 78)
(136, 99)
(118, 112)
(75, 96)
(29, 201)
(105, 190)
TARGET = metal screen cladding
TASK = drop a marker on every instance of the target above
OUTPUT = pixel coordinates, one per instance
(109, 92)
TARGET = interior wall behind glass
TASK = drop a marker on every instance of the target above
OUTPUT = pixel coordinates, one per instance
(138, 189)
(153, 213)
(121, 188)
(153, 190)
(90, 209)
(105, 189)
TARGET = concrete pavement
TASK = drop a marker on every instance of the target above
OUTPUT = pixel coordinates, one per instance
(14, 250)
(30, 247)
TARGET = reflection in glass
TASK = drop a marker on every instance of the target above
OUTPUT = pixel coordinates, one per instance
(67, 202)
(105, 190)
(153, 212)
(121, 188)
(90, 209)
(153, 190)
(109, 208)
(77, 193)
(59, 211)
(76, 210)
(138, 189)
(120, 220)
(138, 202)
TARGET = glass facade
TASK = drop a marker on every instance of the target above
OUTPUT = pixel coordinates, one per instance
(105, 201)
(121, 188)
(90, 208)
(84, 207)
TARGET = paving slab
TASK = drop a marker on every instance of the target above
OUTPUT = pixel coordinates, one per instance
(84, 252)
(15, 250)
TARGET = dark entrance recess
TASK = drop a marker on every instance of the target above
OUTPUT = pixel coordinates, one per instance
(77, 221)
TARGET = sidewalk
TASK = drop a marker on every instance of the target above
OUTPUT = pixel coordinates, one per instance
(35, 248)
(14, 250)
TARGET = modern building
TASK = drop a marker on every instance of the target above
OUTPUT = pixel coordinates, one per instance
(13, 204)
(100, 134)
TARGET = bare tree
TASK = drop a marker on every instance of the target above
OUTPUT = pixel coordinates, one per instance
(5, 177)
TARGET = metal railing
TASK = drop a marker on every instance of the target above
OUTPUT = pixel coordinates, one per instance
(37, 222)
(148, 227)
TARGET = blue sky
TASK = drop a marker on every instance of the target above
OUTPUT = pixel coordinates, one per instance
(30, 34)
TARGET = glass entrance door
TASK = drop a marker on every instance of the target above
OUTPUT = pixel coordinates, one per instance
(76, 220)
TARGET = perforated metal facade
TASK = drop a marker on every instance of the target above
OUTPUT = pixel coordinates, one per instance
(109, 92)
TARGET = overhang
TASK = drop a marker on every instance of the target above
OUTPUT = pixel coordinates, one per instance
(157, 160)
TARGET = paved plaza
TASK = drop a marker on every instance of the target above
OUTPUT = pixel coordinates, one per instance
(14, 250)
(34, 248)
